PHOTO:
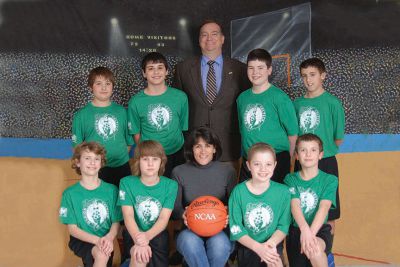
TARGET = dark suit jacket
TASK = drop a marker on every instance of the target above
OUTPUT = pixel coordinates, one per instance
(222, 115)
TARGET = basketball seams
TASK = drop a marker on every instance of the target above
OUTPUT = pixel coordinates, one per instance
(211, 216)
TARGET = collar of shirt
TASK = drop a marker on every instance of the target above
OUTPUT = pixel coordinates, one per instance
(217, 68)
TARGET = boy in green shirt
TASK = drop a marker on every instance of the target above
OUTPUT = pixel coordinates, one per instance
(105, 122)
(89, 208)
(259, 211)
(266, 114)
(147, 201)
(321, 113)
(159, 112)
(313, 194)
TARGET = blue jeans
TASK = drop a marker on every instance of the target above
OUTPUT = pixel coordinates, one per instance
(204, 251)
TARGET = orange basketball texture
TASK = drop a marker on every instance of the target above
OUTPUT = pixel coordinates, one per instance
(206, 216)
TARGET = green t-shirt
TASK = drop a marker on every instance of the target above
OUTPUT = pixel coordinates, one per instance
(324, 116)
(311, 192)
(161, 118)
(107, 126)
(267, 117)
(147, 201)
(93, 211)
(259, 216)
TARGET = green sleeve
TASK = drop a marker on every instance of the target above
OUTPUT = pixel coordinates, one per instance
(285, 217)
(124, 198)
(133, 117)
(172, 191)
(294, 193)
(66, 212)
(236, 226)
(77, 130)
(338, 119)
(184, 119)
(287, 116)
(296, 110)
(329, 192)
(128, 137)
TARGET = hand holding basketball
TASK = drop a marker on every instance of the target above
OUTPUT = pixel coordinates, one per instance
(184, 218)
(227, 217)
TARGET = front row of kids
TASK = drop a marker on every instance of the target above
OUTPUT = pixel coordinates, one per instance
(259, 209)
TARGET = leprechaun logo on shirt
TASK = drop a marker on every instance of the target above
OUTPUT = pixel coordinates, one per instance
(95, 213)
(309, 119)
(148, 209)
(74, 138)
(254, 116)
(308, 200)
(122, 195)
(159, 116)
(258, 217)
(106, 126)
(63, 212)
(235, 229)
(292, 190)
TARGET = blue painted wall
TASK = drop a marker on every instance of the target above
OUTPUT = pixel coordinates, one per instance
(62, 148)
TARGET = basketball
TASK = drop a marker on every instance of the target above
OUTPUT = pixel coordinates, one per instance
(206, 216)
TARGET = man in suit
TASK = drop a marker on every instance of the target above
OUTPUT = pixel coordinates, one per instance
(212, 95)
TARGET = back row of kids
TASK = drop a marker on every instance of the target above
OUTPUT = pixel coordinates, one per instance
(157, 113)
(160, 113)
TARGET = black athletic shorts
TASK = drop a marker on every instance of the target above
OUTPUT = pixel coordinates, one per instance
(159, 250)
(248, 258)
(173, 160)
(113, 175)
(293, 245)
(83, 250)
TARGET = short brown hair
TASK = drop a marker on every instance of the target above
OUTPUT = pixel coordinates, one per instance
(94, 147)
(209, 21)
(313, 62)
(100, 71)
(309, 137)
(260, 55)
(260, 147)
(153, 58)
(148, 148)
